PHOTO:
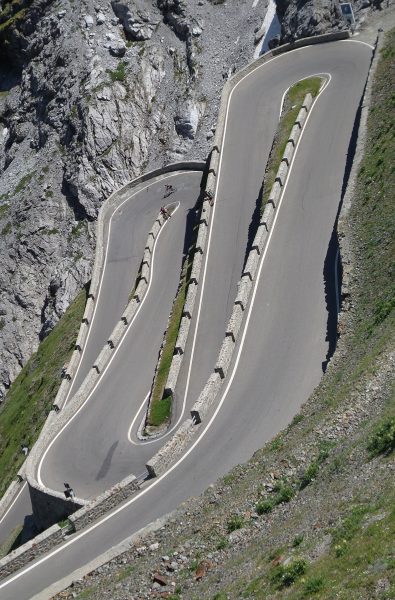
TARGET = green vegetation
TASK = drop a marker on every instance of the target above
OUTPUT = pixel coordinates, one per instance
(160, 407)
(32, 393)
(4, 210)
(383, 440)
(286, 575)
(292, 104)
(6, 229)
(160, 411)
(24, 182)
(282, 493)
(235, 522)
(119, 74)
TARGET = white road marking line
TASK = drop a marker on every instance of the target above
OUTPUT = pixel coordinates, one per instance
(13, 502)
(184, 456)
(358, 42)
(114, 354)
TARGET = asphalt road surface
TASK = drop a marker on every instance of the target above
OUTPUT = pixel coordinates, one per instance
(280, 354)
(126, 237)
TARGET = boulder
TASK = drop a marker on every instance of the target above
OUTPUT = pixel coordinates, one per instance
(136, 21)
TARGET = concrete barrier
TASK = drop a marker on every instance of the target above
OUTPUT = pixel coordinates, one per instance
(294, 135)
(225, 357)
(172, 377)
(275, 194)
(104, 503)
(308, 102)
(243, 292)
(190, 301)
(251, 265)
(201, 239)
(301, 118)
(282, 173)
(182, 336)
(206, 398)
(288, 153)
(196, 268)
(260, 239)
(268, 216)
(234, 323)
(173, 448)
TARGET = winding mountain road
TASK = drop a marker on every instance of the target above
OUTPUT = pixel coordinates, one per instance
(284, 342)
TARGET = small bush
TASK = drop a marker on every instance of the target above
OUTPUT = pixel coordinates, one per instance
(284, 576)
(119, 74)
(235, 522)
(222, 544)
(383, 440)
(309, 475)
(284, 494)
(313, 585)
(297, 540)
(264, 507)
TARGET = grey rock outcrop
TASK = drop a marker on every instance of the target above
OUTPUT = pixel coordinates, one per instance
(137, 22)
(304, 18)
(188, 117)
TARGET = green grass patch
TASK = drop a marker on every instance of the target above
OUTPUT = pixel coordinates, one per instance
(292, 104)
(24, 182)
(33, 392)
(160, 408)
(119, 74)
(235, 522)
(383, 440)
(6, 229)
(160, 411)
(4, 210)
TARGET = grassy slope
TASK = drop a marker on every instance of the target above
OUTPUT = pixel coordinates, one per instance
(33, 391)
(329, 532)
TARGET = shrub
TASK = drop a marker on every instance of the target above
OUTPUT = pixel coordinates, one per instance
(264, 507)
(222, 544)
(297, 540)
(284, 494)
(286, 575)
(235, 522)
(313, 585)
(119, 74)
(383, 440)
(309, 475)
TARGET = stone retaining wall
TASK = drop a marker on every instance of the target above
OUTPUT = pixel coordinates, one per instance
(31, 550)
(104, 503)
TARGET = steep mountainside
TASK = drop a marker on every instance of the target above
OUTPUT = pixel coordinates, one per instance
(92, 94)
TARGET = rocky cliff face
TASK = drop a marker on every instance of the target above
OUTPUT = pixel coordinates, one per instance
(304, 18)
(91, 95)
